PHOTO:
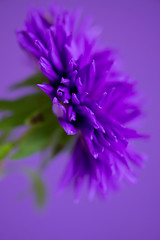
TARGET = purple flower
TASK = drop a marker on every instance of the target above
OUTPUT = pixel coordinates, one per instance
(91, 98)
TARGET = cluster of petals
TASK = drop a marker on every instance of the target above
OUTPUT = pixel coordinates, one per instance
(91, 98)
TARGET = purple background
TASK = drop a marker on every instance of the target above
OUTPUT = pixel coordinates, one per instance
(133, 213)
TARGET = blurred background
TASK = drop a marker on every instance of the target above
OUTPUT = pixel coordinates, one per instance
(132, 27)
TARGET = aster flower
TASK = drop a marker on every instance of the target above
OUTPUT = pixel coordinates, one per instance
(90, 97)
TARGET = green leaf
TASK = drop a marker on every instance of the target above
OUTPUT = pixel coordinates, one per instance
(26, 103)
(58, 142)
(38, 188)
(9, 123)
(36, 111)
(38, 78)
(36, 139)
(4, 135)
(5, 150)
(23, 109)
(63, 140)
(5, 105)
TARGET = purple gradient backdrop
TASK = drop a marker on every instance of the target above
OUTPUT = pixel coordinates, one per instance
(133, 27)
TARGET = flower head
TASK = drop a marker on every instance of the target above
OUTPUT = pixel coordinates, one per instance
(91, 98)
